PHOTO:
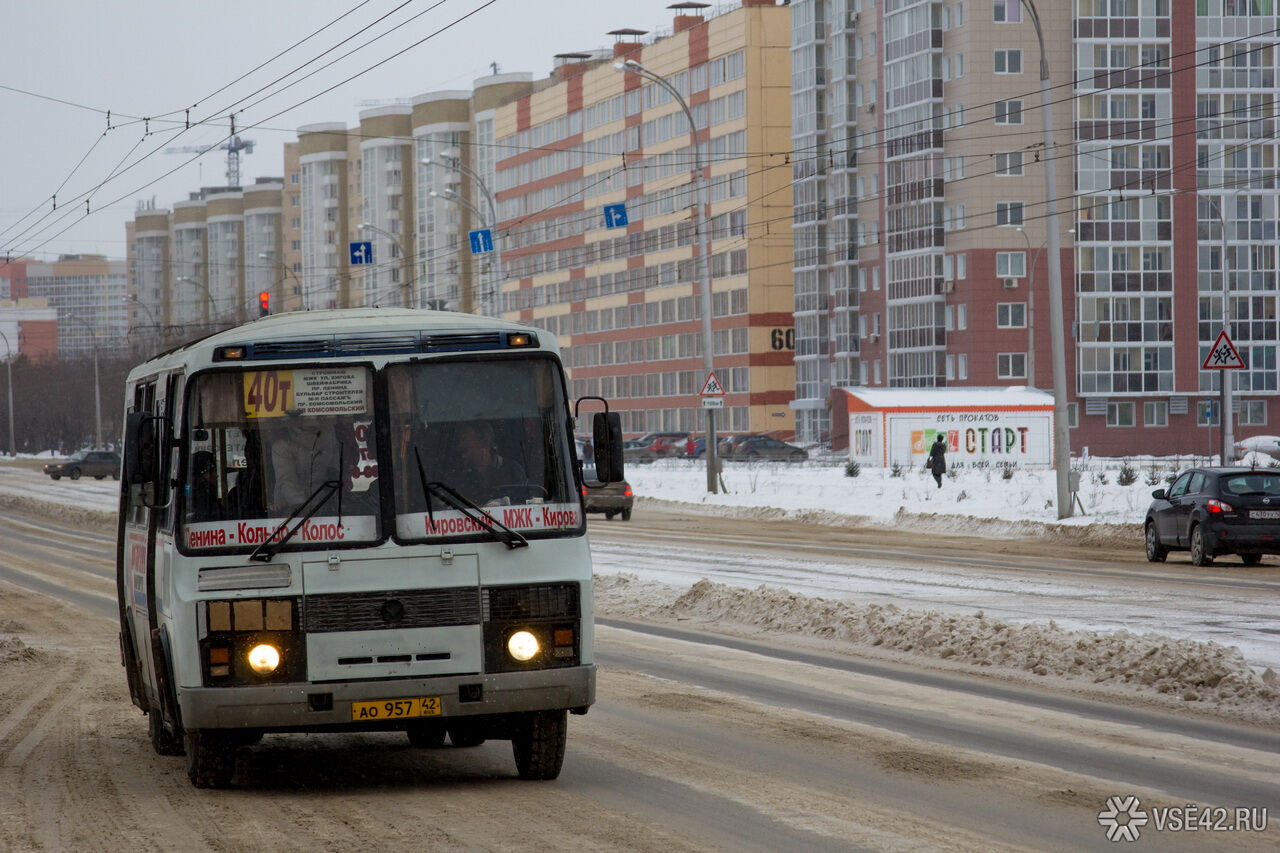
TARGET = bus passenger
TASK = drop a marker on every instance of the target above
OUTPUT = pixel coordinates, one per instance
(205, 504)
(477, 469)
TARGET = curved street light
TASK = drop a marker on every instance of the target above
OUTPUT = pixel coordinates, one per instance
(703, 260)
(450, 160)
(406, 299)
(297, 283)
(1057, 337)
(1031, 302)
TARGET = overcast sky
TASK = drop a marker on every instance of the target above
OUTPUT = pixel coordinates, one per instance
(76, 59)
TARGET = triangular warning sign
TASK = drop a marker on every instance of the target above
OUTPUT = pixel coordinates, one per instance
(712, 387)
(1222, 355)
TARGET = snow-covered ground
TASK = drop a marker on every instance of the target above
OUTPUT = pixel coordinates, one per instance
(1027, 494)
(1201, 645)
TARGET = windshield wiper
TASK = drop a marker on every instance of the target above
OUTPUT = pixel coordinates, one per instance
(467, 507)
(266, 551)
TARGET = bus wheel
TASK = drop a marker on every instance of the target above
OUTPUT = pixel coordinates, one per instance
(539, 744)
(163, 740)
(211, 758)
(465, 734)
(426, 735)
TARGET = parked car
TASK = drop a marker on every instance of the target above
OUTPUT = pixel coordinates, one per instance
(652, 446)
(729, 444)
(1215, 511)
(767, 447)
(96, 463)
(609, 498)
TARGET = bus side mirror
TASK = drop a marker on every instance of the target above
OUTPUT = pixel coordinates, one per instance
(147, 439)
(606, 438)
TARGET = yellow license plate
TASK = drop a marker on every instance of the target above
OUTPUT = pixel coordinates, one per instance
(396, 709)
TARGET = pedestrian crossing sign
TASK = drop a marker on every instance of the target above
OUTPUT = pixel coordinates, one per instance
(1222, 355)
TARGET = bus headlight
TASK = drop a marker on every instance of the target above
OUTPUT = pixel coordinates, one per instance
(264, 659)
(522, 645)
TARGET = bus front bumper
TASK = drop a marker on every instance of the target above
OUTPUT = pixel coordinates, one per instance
(328, 706)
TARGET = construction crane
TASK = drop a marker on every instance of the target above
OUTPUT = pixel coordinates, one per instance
(233, 147)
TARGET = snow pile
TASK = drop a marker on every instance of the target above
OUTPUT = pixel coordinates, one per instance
(1189, 670)
(13, 650)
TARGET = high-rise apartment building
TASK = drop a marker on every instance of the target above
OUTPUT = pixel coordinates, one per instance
(90, 295)
(921, 249)
(625, 300)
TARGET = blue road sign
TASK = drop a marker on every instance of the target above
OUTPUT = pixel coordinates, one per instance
(481, 240)
(361, 252)
(615, 215)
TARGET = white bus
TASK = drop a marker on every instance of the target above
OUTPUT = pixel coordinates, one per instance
(357, 520)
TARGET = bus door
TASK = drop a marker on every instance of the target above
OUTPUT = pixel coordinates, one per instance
(137, 552)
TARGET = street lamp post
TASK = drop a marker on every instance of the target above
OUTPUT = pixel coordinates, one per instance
(452, 162)
(406, 299)
(1031, 303)
(97, 386)
(8, 363)
(1226, 430)
(213, 303)
(450, 195)
(268, 256)
(704, 259)
(1057, 342)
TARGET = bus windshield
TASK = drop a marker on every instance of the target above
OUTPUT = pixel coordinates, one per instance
(270, 445)
(492, 431)
(299, 445)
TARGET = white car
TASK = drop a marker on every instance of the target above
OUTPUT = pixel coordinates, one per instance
(1268, 444)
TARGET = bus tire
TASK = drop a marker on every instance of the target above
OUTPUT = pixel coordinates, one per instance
(211, 758)
(164, 740)
(538, 745)
(426, 735)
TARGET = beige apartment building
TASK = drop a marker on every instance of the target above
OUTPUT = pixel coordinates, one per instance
(624, 300)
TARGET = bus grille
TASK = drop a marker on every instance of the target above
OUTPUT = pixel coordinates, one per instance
(370, 611)
(539, 601)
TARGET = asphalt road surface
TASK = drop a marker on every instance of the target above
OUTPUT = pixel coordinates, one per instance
(698, 742)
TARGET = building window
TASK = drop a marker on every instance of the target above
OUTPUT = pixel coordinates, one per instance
(1008, 62)
(1155, 413)
(1253, 413)
(1008, 163)
(1011, 365)
(1008, 213)
(1011, 315)
(1007, 11)
(962, 366)
(1119, 414)
(1009, 112)
(1073, 415)
(1011, 264)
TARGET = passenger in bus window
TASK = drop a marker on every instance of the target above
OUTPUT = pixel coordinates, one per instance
(205, 504)
(244, 499)
(476, 468)
(300, 448)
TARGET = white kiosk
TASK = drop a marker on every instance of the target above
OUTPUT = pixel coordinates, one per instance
(888, 425)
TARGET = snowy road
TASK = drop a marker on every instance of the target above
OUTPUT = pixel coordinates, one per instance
(1227, 603)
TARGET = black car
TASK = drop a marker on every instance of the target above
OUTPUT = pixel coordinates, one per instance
(1216, 511)
(96, 463)
(609, 498)
(766, 447)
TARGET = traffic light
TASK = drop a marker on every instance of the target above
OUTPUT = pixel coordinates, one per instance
(264, 303)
